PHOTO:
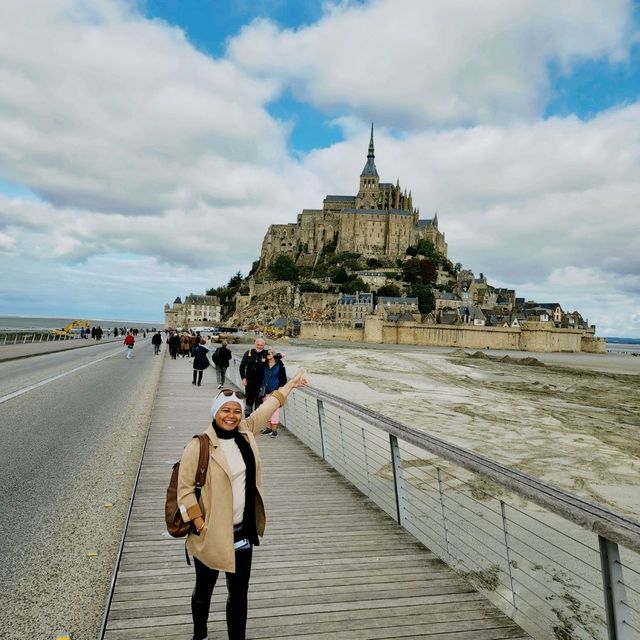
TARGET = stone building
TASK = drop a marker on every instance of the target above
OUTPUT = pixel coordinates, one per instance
(353, 309)
(195, 311)
(380, 220)
(392, 308)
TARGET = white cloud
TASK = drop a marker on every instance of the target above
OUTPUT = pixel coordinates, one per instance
(435, 62)
(103, 109)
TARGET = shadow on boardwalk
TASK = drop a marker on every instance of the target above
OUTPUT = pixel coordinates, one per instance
(331, 565)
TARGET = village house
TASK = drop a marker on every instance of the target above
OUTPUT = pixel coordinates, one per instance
(353, 309)
(195, 311)
(393, 308)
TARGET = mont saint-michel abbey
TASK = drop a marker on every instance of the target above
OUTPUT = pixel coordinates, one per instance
(379, 221)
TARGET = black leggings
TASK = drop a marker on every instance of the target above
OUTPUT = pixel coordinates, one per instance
(237, 587)
(252, 401)
(199, 374)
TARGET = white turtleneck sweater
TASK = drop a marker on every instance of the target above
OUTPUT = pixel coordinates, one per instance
(238, 476)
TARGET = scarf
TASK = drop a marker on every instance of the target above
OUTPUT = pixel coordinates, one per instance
(249, 516)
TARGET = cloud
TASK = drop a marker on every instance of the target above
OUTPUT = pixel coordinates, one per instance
(438, 62)
(106, 110)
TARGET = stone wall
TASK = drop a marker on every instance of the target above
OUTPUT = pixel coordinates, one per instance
(319, 301)
(593, 345)
(330, 331)
(529, 337)
(260, 288)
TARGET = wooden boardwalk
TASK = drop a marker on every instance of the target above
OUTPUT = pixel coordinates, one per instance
(331, 566)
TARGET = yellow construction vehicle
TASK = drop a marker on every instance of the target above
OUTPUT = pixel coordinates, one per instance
(66, 331)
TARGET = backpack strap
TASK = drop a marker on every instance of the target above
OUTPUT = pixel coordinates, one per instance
(203, 461)
(201, 474)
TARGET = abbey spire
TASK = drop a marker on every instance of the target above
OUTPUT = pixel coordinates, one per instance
(370, 168)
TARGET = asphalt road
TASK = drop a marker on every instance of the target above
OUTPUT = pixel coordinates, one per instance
(72, 429)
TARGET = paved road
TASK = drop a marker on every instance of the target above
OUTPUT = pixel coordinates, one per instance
(72, 428)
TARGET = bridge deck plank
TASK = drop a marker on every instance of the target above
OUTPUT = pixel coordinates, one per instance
(332, 565)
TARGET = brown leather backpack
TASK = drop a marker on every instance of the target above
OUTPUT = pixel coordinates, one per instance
(175, 525)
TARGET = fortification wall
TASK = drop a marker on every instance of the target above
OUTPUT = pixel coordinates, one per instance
(330, 331)
(537, 336)
(590, 344)
(526, 338)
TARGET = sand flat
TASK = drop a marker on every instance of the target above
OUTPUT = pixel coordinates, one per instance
(570, 419)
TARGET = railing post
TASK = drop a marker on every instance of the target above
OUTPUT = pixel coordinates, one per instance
(366, 458)
(444, 517)
(398, 478)
(321, 420)
(344, 454)
(506, 546)
(615, 596)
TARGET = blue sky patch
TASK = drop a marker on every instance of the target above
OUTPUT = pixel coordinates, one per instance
(208, 23)
(13, 190)
(594, 86)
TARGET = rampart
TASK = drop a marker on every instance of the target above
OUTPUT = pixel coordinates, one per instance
(532, 336)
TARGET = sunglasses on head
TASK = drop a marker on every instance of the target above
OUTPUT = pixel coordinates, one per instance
(232, 392)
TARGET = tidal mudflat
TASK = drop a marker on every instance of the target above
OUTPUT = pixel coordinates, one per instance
(572, 420)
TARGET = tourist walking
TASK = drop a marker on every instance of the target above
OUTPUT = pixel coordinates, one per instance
(200, 361)
(221, 358)
(156, 341)
(273, 377)
(230, 514)
(174, 345)
(185, 345)
(129, 341)
(251, 370)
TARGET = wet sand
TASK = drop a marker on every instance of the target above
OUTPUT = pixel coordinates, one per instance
(570, 419)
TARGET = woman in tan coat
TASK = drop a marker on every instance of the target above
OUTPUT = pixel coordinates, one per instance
(229, 516)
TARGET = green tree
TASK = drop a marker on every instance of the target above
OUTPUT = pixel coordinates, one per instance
(374, 263)
(235, 281)
(284, 268)
(308, 286)
(420, 270)
(389, 291)
(339, 275)
(254, 267)
(424, 293)
(353, 286)
(427, 249)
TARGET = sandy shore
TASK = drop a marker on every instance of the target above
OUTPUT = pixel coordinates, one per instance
(570, 419)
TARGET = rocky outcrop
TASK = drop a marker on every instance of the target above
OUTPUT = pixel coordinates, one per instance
(284, 301)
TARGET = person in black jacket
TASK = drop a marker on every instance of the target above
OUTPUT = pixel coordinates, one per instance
(251, 371)
(200, 361)
(174, 344)
(221, 358)
(156, 341)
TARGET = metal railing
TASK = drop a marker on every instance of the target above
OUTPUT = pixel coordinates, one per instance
(28, 337)
(560, 566)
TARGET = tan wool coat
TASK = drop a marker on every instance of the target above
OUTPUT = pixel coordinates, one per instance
(214, 545)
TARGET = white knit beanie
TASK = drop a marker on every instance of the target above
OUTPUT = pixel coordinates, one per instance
(221, 399)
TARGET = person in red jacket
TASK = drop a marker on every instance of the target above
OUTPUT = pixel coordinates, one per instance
(129, 341)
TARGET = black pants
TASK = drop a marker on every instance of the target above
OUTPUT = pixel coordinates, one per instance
(251, 392)
(199, 375)
(237, 587)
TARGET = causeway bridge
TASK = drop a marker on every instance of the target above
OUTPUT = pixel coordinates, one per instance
(377, 530)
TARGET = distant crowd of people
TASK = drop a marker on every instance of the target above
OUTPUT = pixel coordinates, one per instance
(96, 333)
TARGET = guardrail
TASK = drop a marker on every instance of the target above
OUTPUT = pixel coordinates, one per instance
(27, 337)
(560, 566)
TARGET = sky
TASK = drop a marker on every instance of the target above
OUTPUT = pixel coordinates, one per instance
(147, 145)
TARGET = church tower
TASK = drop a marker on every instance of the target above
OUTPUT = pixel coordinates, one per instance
(369, 193)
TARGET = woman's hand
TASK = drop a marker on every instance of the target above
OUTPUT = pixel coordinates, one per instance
(299, 380)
